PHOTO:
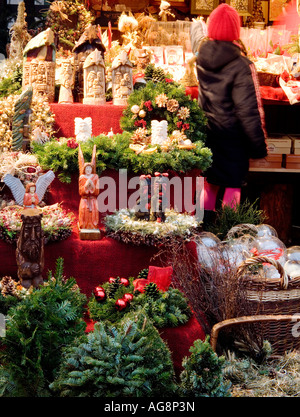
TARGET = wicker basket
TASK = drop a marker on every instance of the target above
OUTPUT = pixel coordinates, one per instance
(280, 330)
(269, 295)
(271, 308)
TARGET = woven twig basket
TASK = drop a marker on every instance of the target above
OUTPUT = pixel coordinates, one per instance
(273, 307)
(269, 295)
(280, 330)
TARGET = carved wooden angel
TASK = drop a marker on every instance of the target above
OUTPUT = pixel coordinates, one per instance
(88, 218)
(34, 192)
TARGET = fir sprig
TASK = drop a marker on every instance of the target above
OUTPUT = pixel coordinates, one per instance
(37, 329)
(129, 359)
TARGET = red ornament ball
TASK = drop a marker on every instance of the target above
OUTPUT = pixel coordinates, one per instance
(124, 281)
(128, 297)
(100, 295)
(121, 304)
(111, 280)
(98, 289)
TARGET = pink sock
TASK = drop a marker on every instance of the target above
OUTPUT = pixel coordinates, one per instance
(210, 195)
(232, 197)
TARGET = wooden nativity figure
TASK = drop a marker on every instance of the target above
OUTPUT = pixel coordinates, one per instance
(88, 218)
(33, 194)
(30, 249)
(122, 84)
(87, 43)
(94, 79)
(39, 65)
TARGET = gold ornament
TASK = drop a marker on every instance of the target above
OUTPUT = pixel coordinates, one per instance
(142, 113)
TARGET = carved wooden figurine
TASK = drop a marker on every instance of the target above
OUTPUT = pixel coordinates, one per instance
(94, 78)
(122, 84)
(83, 128)
(88, 42)
(89, 190)
(66, 82)
(39, 65)
(30, 249)
(21, 195)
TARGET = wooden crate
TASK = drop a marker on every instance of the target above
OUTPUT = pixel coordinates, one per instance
(293, 162)
(279, 144)
(295, 144)
(270, 161)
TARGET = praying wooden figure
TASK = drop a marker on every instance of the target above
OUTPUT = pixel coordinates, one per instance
(88, 222)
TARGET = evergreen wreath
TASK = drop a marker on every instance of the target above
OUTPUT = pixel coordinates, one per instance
(68, 19)
(123, 226)
(164, 309)
(165, 100)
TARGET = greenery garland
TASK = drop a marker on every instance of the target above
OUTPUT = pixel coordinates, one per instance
(114, 153)
(166, 309)
(165, 100)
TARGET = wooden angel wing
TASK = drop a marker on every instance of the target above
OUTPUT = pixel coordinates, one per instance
(43, 183)
(16, 187)
(80, 161)
(93, 161)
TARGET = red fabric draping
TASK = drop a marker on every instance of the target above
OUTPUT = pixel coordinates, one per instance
(104, 118)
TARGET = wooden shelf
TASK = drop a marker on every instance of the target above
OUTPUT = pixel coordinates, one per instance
(280, 170)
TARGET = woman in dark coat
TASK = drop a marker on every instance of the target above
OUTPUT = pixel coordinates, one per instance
(229, 95)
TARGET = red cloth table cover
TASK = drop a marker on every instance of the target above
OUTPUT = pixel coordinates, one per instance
(104, 118)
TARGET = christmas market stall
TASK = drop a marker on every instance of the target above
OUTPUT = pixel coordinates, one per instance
(111, 284)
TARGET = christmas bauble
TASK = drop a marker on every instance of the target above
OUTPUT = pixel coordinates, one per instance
(100, 295)
(121, 304)
(135, 109)
(97, 289)
(128, 297)
(124, 281)
(142, 113)
(111, 280)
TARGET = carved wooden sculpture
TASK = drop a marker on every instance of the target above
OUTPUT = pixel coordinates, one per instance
(30, 249)
(39, 65)
(94, 79)
(122, 84)
(89, 190)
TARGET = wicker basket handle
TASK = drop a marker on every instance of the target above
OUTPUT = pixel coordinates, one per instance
(245, 319)
(284, 279)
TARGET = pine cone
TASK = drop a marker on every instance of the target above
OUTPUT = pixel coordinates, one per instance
(140, 137)
(152, 291)
(8, 287)
(113, 287)
(149, 71)
(143, 274)
(158, 75)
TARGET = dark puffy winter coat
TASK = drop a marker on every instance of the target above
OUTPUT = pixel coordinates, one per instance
(229, 96)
